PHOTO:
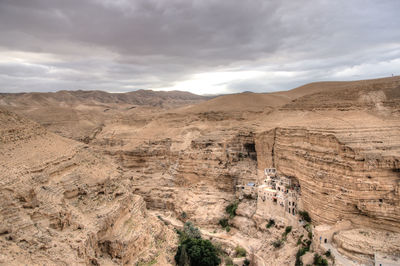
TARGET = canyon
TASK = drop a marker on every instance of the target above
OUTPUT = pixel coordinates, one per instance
(102, 179)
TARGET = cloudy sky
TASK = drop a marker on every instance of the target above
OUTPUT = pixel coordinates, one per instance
(201, 46)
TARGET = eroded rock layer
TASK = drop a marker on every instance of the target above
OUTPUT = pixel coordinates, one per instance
(342, 176)
(197, 177)
(63, 203)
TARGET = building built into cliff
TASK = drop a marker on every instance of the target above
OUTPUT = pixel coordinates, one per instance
(277, 196)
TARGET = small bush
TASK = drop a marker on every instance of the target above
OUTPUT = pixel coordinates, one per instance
(183, 215)
(309, 235)
(288, 229)
(246, 262)
(228, 228)
(278, 243)
(305, 216)
(328, 253)
(231, 209)
(319, 260)
(224, 222)
(271, 222)
(299, 240)
(191, 231)
(240, 252)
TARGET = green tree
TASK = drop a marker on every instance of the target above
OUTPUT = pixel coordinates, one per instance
(200, 252)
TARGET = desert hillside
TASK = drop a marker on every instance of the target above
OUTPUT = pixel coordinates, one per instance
(64, 203)
(87, 174)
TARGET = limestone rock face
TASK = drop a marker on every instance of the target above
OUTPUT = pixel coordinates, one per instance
(344, 174)
(197, 177)
(63, 203)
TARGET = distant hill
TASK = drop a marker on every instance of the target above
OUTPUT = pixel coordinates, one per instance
(73, 98)
(317, 95)
(384, 92)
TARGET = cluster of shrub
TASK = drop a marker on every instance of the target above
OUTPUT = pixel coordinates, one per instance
(231, 211)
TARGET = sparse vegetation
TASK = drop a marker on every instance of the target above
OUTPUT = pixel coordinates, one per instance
(240, 252)
(246, 262)
(231, 209)
(271, 222)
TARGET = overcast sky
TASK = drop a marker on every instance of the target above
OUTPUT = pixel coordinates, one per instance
(201, 46)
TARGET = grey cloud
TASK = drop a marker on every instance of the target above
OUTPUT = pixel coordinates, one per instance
(123, 45)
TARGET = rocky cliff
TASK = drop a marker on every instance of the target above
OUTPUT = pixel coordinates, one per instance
(197, 176)
(63, 203)
(344, 174)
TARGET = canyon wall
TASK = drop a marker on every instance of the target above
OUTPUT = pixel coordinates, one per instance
(342, 176)
(64, 203)
(196, 175)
